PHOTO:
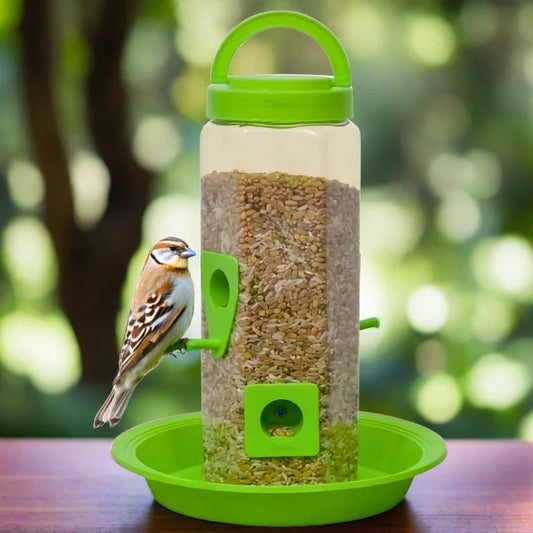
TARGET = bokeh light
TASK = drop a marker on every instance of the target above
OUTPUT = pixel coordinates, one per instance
(25, 184)
(90, 186)
(147, 52)
(477, 173)
(202, 26)
(29, 259)
(493, 318)
(526, 427)
(9, 14)
(427, 309)
(389, 223)
(430, 39)
(448, 173)
(505, 265)
(438, 398)
(459, 217)
(156, 142)
(188, 100)
(362, 29)
(460, 300)
(41, 347)
(497, 382)
(512, 264)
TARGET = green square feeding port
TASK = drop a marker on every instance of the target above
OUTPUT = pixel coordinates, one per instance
(281, 420)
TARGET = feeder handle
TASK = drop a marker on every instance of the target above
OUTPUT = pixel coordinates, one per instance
(282, 19)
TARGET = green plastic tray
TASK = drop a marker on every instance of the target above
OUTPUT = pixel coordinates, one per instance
(168, 453)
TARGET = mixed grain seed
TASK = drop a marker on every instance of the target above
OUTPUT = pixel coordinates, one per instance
(297, 242)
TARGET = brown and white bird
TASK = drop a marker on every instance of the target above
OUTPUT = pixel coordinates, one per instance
(160, 313)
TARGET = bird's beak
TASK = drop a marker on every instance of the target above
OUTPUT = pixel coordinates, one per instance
(187, 253)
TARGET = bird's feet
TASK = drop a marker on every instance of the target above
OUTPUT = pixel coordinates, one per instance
(179, 348)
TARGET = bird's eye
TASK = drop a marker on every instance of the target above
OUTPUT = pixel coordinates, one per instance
(172, 248)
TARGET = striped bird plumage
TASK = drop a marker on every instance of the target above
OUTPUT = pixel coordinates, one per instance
(160, 313)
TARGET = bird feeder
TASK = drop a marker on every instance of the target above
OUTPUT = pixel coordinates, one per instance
(280, 179)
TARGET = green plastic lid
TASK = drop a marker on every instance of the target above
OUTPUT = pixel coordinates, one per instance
(280, 98)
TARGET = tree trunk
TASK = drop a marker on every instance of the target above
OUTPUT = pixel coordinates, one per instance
(92, 263)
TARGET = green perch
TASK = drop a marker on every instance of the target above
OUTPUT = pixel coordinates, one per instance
(190, 345)
(369, 323)
(220, 290)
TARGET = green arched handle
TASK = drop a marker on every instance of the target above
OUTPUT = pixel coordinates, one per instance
(282, 19)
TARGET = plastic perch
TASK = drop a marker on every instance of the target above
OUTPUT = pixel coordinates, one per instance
(369, 323)
(190, 345)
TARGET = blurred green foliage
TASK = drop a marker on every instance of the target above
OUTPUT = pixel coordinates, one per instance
(444, 100)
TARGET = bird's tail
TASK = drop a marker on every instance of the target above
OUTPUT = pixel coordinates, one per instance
(114, 407)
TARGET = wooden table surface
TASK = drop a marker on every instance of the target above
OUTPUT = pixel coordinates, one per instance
(74, 486)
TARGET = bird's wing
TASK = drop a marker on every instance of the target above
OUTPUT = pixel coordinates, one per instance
(147, 325)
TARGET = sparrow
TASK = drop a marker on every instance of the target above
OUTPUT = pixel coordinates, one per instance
(160, 313)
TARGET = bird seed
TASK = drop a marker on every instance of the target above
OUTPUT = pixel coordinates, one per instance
(297, 242)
